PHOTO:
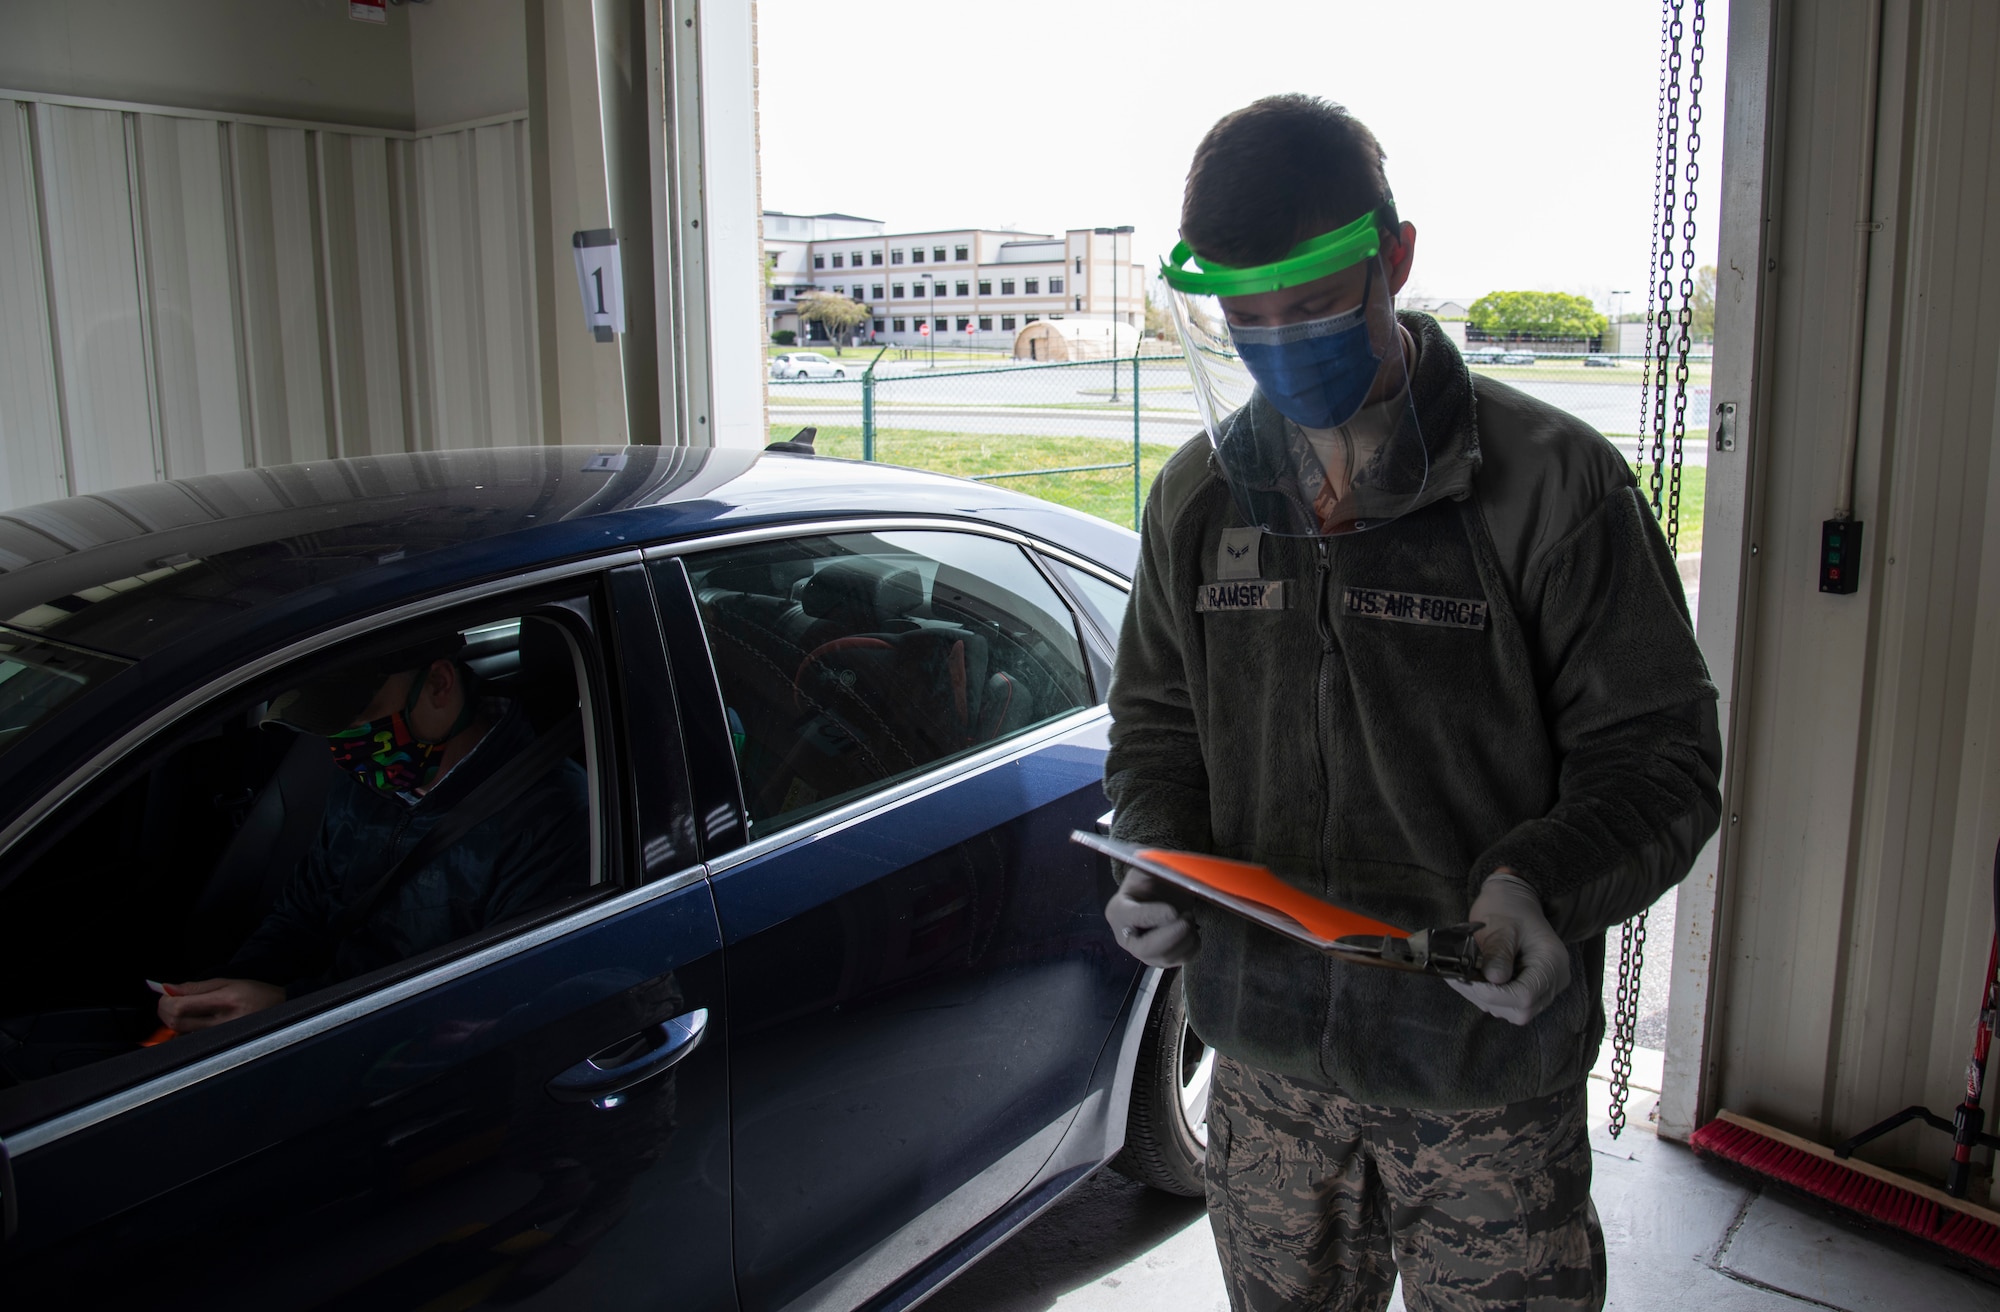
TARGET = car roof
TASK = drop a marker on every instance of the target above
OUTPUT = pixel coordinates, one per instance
(136, 570)
(194, 576)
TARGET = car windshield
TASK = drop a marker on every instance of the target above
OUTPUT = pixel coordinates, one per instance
(38, 676)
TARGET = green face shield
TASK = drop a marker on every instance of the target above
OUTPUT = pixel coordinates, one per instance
(1300, 378)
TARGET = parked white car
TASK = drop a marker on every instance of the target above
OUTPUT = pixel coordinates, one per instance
(805, 364)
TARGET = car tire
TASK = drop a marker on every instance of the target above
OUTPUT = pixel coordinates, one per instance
(840, 373)
(1166, 1131)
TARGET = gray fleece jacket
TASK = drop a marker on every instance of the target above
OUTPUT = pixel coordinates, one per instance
(1505, 676)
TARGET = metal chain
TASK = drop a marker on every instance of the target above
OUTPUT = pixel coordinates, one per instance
(1653, 257)
(1632, 939)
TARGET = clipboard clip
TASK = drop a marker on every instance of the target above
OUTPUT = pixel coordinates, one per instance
(1449, 950)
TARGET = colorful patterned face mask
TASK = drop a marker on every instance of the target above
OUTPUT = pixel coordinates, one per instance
(386, 755)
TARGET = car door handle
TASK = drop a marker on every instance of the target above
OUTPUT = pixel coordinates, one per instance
(602, 1078)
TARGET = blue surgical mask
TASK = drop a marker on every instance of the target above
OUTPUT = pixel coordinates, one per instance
(1317, 373)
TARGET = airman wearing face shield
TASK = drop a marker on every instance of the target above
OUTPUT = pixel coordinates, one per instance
(1412, 639)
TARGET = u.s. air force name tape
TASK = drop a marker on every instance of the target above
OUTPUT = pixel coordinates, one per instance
(1415, 608)
(1250, 594)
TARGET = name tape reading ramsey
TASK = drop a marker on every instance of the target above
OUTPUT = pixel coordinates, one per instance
(1415, 608)
(1250, 594)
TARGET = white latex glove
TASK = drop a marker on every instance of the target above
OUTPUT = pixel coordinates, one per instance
(1150, 928)
(1526, 964)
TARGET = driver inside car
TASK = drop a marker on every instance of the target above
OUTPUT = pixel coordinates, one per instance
(415, 739)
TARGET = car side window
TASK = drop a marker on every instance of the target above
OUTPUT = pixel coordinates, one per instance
(308, 835)
(850, 660)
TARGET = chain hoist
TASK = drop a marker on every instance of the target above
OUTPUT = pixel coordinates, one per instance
(1669, 335)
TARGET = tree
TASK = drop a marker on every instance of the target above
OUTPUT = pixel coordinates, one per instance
(1702, 326)
(1159, 323)
(837, 316)
(1536, 314)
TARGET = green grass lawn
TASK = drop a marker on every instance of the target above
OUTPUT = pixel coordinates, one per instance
(1106, 493)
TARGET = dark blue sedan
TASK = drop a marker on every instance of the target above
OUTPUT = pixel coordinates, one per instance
(720, 944)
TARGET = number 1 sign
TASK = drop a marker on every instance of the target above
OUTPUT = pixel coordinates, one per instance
(597, 278)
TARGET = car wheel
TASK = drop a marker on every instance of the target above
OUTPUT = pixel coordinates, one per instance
(1166, 1132)
(840, 373)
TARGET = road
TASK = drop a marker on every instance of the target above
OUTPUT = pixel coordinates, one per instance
(1076, 401)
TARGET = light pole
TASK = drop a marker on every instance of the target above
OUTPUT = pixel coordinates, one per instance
(1114, 234)
(1617, 333)
(931, 336)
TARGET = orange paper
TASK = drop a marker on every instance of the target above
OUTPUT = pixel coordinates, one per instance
(1253, 883)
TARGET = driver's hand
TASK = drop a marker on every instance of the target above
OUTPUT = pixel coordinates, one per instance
(201, 1003)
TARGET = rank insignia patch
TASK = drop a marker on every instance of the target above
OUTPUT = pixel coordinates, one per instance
(1415, 608)
(1249, 594)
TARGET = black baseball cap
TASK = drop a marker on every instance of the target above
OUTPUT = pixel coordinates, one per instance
(331, 702)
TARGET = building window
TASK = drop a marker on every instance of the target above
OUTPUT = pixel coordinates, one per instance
(937, 254)
(777, 293)
(1079, 264)
(874, 257)
(837, 261)
(773, 258)
(1033, 286)
(1079, 305)
(1055, 286)
(941, 323)
(1006, 323)
(876, 291)
(1031, 318)
(855, 259)
(964, 324)
(1006, 286)
(819, 261)
(839, 290)
(895, 257)
(878, 325)
(897, 324)
(917, 255)
(896, 290)
(985, 323)
(959, 253)
(965, 289)
(985, 287)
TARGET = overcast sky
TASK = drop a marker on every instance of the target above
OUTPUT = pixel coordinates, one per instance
(1520, 135)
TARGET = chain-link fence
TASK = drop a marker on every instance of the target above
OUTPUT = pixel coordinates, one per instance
(1093, 433)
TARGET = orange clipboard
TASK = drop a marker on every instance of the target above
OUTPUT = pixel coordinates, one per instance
(1259, 896)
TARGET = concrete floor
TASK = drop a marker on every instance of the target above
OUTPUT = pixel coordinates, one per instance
(1683, 1235)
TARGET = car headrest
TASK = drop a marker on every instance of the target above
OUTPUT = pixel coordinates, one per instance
(850, 589)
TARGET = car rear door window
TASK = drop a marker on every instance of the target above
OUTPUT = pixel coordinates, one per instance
(849, 660)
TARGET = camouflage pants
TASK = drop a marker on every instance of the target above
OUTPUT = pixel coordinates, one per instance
(1317, 1201)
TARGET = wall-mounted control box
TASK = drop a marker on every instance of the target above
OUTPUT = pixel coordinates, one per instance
(1839, 555)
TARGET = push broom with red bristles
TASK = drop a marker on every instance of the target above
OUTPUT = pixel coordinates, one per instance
(1938, 1216)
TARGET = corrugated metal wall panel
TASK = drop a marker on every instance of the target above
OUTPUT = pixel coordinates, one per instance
(216, 293)
(473, 226)
(31, 451)
(94, 284)
(513, 372)
(358, 225)
(1913, 983)
(448, 237)
(276, 229)
(190, 271)
(1866, 757)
